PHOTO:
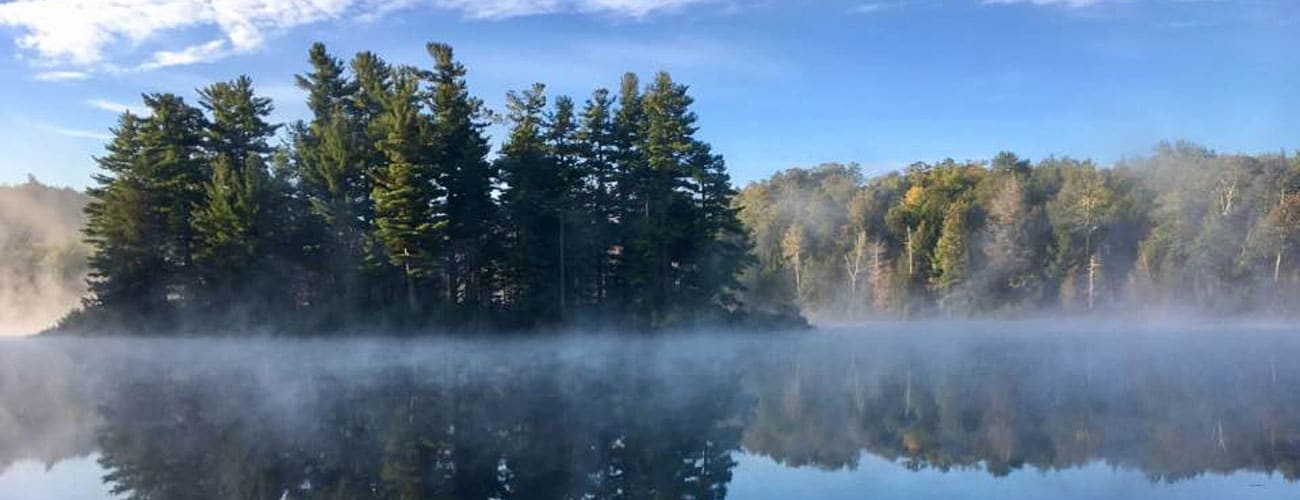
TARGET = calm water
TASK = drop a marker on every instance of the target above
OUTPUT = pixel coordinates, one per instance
(982, 410)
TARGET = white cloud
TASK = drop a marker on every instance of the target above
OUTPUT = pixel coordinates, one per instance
(62, 76)
(117, 107)
(210, 51)
(85, 33)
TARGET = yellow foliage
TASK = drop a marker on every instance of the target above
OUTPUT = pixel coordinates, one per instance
(913, 196)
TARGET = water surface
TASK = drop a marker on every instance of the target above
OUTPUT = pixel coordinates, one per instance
(975, 410)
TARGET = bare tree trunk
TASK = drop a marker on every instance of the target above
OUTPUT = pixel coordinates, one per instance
(911, 269)
(1277, 263)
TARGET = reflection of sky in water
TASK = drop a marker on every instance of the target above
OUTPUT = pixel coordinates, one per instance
(71, 479)
(761, 478)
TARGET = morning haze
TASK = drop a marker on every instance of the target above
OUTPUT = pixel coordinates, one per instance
(390, 268)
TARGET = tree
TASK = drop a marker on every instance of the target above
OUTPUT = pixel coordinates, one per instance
(468, 179)
(792, 250)
(404, 191)
(1081, 209)
(232, 224)
(1284, 220)
(121, 230)
(951, 254)
(532, 201)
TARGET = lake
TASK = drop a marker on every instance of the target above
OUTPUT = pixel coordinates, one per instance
(891, 410)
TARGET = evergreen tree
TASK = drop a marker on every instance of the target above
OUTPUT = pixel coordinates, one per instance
(233, 222)
(595, 140)
(333, 177)
(404, 192)
(121, 232)
(532, 202)
(174, 171)
(468, 178)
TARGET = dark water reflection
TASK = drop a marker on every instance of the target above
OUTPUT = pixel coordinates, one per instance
(673, 417)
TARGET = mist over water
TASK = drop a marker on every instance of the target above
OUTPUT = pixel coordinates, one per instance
(1155, 410)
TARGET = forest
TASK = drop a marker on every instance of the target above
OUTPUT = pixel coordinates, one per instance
(42, 260)
(387, 209)
(391, 207)
(1183, 229)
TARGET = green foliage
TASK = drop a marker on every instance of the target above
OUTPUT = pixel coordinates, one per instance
(1185, 228)
(612, 216)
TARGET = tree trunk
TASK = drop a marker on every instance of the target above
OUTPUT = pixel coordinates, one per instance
(411, 303)
(563, 278)
(1277, 264)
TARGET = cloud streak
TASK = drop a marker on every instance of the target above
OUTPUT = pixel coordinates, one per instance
(91, 33)
(62, 76)
(116, 107)
(1066, 3)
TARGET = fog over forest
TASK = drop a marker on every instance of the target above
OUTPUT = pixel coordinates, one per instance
(42, 259)
(389, 209)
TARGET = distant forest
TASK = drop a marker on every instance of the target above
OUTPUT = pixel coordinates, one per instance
(389, 208)
(386, 210)
(42, 259)
(1183, 229)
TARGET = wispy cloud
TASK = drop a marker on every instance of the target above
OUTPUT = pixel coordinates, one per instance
(1066, 3)
(872, 7)
(117, 107)
(213, 50)
(70, 132)
(61, 76)
(87, 33)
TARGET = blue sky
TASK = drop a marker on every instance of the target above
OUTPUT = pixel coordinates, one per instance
(777, 83)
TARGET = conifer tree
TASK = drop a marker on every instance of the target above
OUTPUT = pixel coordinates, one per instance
(531, 202)
(404, 192)
(174, 173)
(595, 138)
(467, 177)
(232, 222)
(332, 175)
(120, 230)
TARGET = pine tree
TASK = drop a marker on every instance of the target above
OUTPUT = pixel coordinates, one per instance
(571, 199)
(232, 223)
(332, 175)
(531, 202)
(404, 192)
(595, 138)
(120, 230)
(627, 130)
(468, 179)
(174, 172)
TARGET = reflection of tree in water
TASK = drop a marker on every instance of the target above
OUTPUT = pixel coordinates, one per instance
(44, 415)
(537, 431)
(1041, 404)
(632, 425)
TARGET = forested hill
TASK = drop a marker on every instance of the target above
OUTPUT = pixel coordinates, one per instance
(1182, 229)
(42, 259)
(387, 209)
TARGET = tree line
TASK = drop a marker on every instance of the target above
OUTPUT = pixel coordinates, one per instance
(388, 208)
(1182, 228)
